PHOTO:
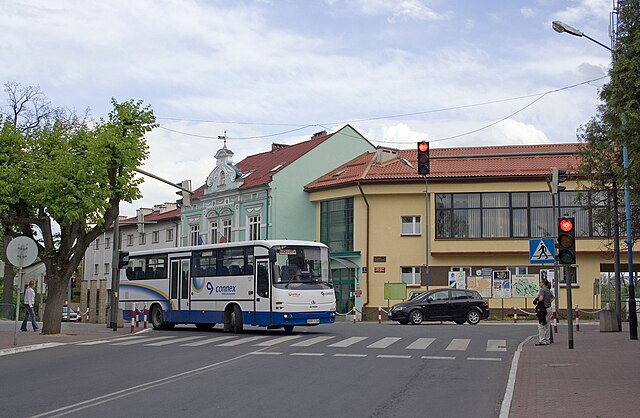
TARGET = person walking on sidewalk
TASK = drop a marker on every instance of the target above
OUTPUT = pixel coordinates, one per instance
(29, 301)
(544, 301)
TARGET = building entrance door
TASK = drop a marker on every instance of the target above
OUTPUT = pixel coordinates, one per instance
(344, 283)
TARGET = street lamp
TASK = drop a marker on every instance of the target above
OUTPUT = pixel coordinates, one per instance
(562, 27)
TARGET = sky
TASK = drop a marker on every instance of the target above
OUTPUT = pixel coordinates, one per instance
(454, 72)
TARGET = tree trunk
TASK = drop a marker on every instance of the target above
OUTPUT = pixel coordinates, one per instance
(57, 292)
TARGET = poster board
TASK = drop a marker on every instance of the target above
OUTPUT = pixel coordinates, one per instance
(524, 285)
(501, 284)
(481, 284)
(457, 280)
(395, 291)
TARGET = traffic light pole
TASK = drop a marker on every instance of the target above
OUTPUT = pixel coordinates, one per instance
(568, 273)
(426, 233)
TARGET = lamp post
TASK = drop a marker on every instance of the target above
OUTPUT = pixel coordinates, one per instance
(562, 27)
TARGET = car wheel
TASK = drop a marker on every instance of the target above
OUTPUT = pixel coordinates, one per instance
(459, 321)
(473, 317)
(415, 316)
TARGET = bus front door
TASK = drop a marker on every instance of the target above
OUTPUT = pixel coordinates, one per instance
(262, 293)
(180, 287)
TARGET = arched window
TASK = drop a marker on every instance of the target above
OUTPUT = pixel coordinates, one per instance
(222, 179)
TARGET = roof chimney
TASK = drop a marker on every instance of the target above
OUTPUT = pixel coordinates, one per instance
(318, 134)
(275, 147)
(385, 154)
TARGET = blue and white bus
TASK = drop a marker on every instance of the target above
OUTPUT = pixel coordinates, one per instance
(269, 283)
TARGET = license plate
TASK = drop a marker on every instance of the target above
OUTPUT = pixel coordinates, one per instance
(313, 321)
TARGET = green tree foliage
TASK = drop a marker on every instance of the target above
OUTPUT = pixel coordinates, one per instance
(617, 121)
(64, 172)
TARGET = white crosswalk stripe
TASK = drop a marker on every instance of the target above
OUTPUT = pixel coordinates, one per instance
(420, 344)
(312, 341)
(240, 341)
(136, 340)
(458, 344)
(384, 343)
(347, 342)
(277, 341)
(173, 341)
(496, 345)
(207, 341)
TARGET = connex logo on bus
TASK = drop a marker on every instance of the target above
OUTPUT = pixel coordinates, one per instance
(225, 290)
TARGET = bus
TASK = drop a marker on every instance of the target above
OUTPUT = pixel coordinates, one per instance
(268, 283)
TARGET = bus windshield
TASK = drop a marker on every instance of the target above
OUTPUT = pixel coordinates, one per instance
(301, 264)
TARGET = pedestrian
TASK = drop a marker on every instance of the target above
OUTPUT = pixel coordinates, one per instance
(29, 301)
(543, 309)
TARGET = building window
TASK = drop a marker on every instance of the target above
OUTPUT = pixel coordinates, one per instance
(222, 179)
(194, 237)
(169, 234)
(226, 230)
(467, 270)
(130, 240)
(214, 232)
(254, 228)
(155, 237)
(336, 224)
(509, 215)
(410, 225)
(411, 276)
(143, 238)
(97, 241)
(106, 268)
(107, 243)
(518, 270)
(95, 269)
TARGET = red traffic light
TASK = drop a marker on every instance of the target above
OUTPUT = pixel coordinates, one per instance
(565, 225)
(423, 146)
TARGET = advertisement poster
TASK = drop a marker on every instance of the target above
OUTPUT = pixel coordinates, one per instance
(457, 280)
(481, 284)
(524, 285)
(501, 284)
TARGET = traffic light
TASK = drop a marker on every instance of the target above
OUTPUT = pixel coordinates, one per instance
(566, 241)
(73, 282)
(186, 195)
(423, 158)
(557, 177)
(123, 259)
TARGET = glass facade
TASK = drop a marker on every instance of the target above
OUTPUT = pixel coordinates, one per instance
(336, 224)
(509, 215)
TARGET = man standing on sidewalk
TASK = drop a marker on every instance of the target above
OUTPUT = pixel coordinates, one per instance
(29, 301)
(545, 298)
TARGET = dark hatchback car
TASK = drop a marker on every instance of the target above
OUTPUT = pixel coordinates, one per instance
(456, 305)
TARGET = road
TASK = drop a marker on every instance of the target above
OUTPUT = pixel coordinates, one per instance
(361, 370)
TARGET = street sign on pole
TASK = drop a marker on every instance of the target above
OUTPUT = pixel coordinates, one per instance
(542, 250)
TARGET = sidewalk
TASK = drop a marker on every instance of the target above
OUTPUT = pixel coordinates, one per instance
(69, 333)
(599, 377)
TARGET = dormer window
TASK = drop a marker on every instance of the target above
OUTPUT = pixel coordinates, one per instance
(247, 174)
(277, 167)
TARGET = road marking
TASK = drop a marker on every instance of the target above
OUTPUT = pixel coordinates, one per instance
(384, 342)
(312, 341)
(348, 342)
(135, 340)
(15, 350)
(508, 392)
(497, 345)
(420, 344)
(484, 358)
(308, 354)
(277, 341)
(438, 358)
(176, 340)
(240, 341)
(350, 355)
(458, 344)
(392, 356)
(207, 341)
(266, 353)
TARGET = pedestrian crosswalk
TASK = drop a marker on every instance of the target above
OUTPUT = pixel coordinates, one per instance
(331, 343)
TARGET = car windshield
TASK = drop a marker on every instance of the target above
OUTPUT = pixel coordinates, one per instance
(301, 264)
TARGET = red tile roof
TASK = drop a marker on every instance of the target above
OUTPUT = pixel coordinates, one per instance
(154, 216)
(262, 164)
(453, 163)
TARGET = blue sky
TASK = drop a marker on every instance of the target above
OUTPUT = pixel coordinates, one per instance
(458, 73)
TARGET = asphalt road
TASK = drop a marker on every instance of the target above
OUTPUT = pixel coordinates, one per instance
(361, 370)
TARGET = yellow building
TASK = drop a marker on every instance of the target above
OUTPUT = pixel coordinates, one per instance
(487, 207)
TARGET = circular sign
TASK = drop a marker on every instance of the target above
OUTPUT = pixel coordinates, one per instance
(22, 251)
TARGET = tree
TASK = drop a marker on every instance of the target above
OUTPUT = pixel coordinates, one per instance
(64, 172)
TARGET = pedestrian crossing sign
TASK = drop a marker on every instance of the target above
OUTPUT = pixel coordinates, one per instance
(542, 251)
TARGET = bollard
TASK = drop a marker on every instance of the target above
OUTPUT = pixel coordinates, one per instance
(145, 316)
(515, 315)
(379, 315)
(133, 318)
(555, 319)
(577, 319)
(137, 316)
(79, 314)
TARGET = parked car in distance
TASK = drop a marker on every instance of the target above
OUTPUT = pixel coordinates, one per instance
(458, 305)
(69, 314)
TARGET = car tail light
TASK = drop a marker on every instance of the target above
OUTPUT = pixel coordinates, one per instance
(486, 303)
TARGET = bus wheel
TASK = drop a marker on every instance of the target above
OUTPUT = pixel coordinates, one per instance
(236, 320)
(288, 329)
(157, 318)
